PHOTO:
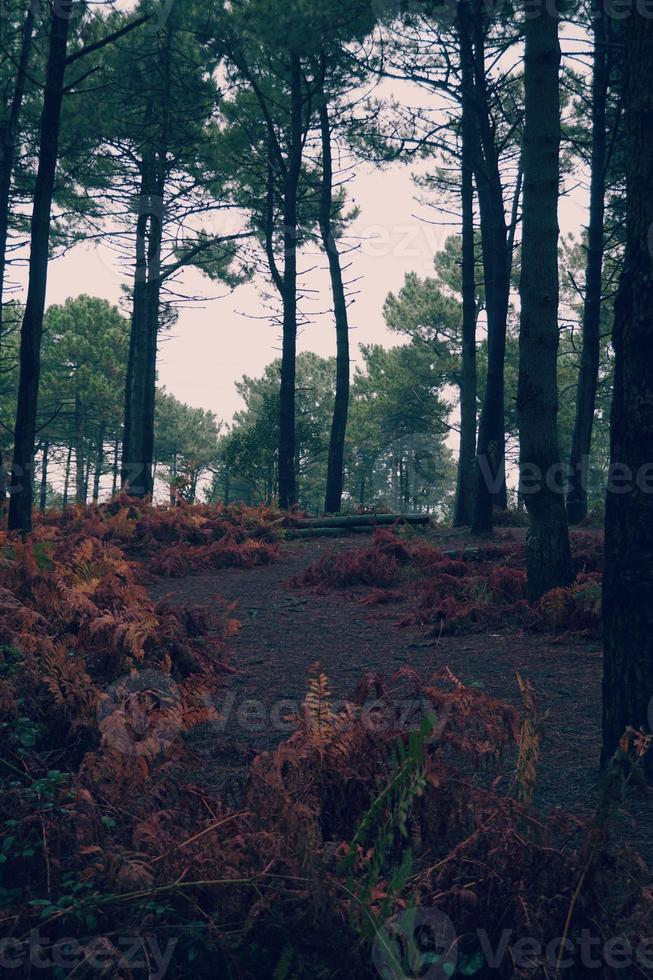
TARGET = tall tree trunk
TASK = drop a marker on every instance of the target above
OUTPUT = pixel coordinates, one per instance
(99, 463)
(5, 468)
(591, 332)
(464, 506)
(87, 477)
(490, 449)
(140, 384)
(80, 459)
(8, 142)
(43, 496)
(66, 480)
(136, 328)
(548, 553)
(173, 477)
(628, 578)
(287, 475)
(151, 338)
(20, 507)
(336, 458)
(116, 468)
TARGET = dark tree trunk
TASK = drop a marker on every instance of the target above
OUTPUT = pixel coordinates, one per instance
(80, 460)
(140, 385)
(514, 216)
(336, 459)
(490, 450)
(8, 142)
(287, 475)
(116, 469)
(3, 482)
(628, 578)
(43, 496)
(66, 482)
(152, 335)
(464, 506)
(99, 463)
(20, 507)
(136, 328)
(548, 553)
(87, 477)
(591, 333)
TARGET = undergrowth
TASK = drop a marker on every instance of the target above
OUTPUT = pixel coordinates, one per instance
(477, 589)
(363, 820)
(175, 540)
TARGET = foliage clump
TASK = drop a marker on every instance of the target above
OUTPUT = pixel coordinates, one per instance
(175, 540)
(475, 589)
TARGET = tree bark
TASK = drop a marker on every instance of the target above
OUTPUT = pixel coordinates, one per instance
(287, 475)
(136, 327)
(548, 553)
(464, 505)
(628, 578)
(43, 496)
(20, 507)
(140, 385)
(591, 330)
(8, 141)
(3, 481)
(336, 458)
(87, 477)
(116, 468)
(490, 450)
(151, 339)
(66, 482)
(80, 460)
(99, 463)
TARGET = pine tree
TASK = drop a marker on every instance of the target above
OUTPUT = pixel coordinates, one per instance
(548, 552)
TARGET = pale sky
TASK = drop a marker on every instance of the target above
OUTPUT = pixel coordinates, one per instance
(217, 341)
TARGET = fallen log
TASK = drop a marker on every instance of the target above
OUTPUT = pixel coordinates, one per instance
(314, 532)
(363, 520)
(293, 534)
(326, 532)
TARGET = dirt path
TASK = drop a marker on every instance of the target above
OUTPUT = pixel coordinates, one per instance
(285, 630)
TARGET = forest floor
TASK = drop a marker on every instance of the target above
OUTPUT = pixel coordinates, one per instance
(286, 629)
